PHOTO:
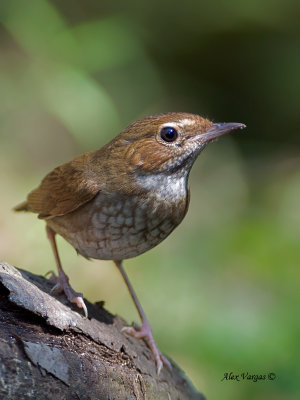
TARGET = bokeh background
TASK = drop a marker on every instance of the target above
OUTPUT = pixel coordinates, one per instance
(222, 292)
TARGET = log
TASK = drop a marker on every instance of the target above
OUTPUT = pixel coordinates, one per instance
(49, 351)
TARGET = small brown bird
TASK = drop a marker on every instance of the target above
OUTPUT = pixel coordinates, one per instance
(124, 199)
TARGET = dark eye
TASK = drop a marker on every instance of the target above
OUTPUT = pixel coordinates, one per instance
(169, 134)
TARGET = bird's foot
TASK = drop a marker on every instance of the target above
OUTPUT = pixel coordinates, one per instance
(145, 332)
(62, 286)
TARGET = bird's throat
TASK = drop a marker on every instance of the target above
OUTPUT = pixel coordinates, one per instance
(165, 187)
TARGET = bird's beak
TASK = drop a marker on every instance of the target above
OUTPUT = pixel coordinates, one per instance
(219, 129)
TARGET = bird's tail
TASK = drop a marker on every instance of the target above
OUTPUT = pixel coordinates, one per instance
(22, 207)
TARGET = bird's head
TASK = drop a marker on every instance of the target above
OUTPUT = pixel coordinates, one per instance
(169, 142)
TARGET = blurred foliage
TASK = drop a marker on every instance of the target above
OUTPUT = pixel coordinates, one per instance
(223, 291)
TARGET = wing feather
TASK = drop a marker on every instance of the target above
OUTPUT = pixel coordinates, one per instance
(64, 189)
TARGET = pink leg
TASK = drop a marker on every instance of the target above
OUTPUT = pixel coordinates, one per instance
(62, 281)
(144, 331)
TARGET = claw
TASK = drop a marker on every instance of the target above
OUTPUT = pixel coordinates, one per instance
(80, 304)
(52, 277)
(62, 286)
(145, 332)
(57, 288)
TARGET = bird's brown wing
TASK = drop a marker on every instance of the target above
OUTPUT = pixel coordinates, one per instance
(63, 190)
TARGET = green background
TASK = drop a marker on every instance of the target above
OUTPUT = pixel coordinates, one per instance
(222, 292)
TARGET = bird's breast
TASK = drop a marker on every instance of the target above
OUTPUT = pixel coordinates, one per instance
(117, 226)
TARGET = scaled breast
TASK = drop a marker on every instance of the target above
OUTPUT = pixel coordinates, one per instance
(118, 227)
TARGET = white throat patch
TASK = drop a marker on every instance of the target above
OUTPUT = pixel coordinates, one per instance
(164, 187)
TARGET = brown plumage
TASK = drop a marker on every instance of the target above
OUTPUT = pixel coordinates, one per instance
(124, 199)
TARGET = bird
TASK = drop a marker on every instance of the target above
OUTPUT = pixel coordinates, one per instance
(122, 200)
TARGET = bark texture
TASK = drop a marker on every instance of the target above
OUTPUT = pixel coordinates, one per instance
(49, 351)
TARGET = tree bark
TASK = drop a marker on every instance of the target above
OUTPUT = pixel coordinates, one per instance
(49, 351)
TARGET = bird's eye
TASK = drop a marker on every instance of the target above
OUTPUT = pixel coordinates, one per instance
(168, 134)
